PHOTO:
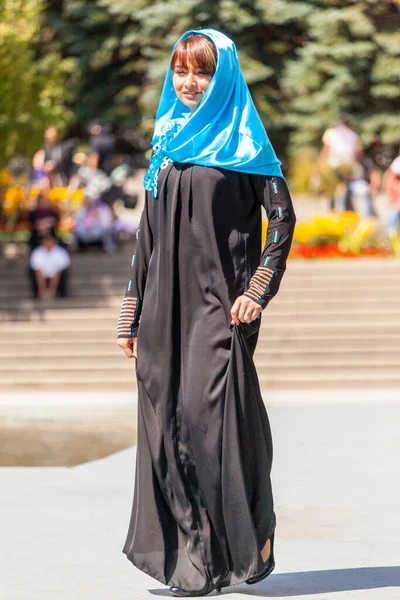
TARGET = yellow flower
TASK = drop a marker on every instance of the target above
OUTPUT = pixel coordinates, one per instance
(57, 195)
(327, 226)
(78, 196)
(304, 232)
(350, 217)
(13, 198)
(5, 177)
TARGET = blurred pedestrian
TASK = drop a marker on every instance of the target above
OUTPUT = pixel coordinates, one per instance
(191, 317)
(365, 183)
(39, 173)
(49, 266)
(392, 188)
(336, 162)
(58, 157)
(94, 226)
(94, 182)
(102, 147)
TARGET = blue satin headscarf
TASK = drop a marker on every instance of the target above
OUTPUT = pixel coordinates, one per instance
(225, 131)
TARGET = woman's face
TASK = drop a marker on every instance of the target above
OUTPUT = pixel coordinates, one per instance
(190, 84)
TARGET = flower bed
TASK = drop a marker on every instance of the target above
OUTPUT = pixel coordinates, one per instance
(18, 199)
(342, 235)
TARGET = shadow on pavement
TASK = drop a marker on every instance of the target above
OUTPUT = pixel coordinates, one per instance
(316, 582)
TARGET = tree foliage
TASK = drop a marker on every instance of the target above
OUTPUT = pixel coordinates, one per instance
(349, 63)
(122, 48)
(32, 91)
(306, 62)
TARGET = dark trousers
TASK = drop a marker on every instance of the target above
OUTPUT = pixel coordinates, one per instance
(61, 288)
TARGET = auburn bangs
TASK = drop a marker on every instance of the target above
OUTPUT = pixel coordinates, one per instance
(196, 50)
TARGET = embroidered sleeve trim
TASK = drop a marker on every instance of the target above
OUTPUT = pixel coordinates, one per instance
(260, 284)
(127, 326)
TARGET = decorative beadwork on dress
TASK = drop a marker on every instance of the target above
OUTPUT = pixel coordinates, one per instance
(275, 236)
(266, 260)
(268, 286)
(127, 323)
(260, 283)
(133, 260)
(274, 186)
(279, 213)
(137, 234)
(159, 160)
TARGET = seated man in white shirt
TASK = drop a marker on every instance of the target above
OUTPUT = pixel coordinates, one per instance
(49, 265)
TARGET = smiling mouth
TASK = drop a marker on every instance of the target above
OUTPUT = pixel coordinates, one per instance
(191, 93)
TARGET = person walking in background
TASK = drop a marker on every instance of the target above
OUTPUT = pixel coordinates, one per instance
(336, 162)
(365, 183)
(94, 182)
(39, 174)
(392, 188)
(203, 515)
(102, 147)
(54, 160)
(49, 265)
(58, 157)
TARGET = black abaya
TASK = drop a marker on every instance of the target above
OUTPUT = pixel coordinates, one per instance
(203, 505)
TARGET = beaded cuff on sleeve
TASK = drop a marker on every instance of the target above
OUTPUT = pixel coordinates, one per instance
(260, 284)
(127, 326)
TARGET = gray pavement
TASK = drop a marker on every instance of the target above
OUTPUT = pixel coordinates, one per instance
(336, 482)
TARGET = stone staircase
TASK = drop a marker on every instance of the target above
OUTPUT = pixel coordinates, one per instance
(333, 323)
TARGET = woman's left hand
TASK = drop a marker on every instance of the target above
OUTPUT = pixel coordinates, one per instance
(244, 310)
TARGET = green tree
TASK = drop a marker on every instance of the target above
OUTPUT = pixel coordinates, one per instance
(306, 62)
(122, 48)
(32, 91)
(349, 63)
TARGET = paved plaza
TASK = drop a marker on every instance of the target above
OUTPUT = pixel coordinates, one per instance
(337, 491)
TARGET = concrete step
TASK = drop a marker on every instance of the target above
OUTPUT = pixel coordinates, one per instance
(306, 270)
(277, 320)
(20, 294)
(335, 323)
(273, 379)
(77, 286)
(278, 364)
(274, 311)
(290, 281)
(106, 308)
(329, 362)
(284, 331)
(53, 337)
(27, 309)
(348, 292)
(304, 341)
(70, 379)
(10, 354)
(335, 378)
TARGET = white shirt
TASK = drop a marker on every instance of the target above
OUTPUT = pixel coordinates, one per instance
(343, 143)
(395, 166)
(50, 262)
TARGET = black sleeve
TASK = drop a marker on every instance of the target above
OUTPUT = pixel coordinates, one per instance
(275, 197)
(132, 304)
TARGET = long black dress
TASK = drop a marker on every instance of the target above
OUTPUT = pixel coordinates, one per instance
(203, 504)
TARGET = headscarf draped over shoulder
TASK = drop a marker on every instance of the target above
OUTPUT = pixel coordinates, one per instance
(225, 131)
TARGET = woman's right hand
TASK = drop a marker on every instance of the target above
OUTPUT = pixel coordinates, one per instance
(129, 346)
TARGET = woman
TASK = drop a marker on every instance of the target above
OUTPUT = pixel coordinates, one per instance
(203, 513)
(44, 219)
